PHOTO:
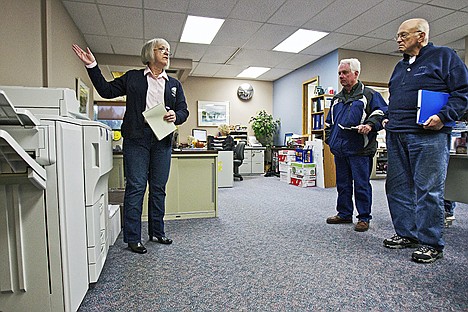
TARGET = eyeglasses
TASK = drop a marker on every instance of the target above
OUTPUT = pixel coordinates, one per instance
(405, 35)
(164, 51)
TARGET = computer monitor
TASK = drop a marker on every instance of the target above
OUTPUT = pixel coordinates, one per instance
(199, 134)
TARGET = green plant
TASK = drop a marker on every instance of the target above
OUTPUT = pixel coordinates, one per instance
(264, 127)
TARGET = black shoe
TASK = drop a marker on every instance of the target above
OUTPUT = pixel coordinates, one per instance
(137, 247)
(162, 240)
(398, 242)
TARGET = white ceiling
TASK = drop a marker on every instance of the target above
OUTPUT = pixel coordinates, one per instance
(254, 27)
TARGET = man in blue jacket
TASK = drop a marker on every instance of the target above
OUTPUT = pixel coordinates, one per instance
(351, 128)
(418, 155)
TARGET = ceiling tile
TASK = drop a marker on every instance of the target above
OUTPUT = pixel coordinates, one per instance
(165, 25)
(124, 3)
(448, 23)
(235, 33)
(363, 43)
(388, 47)
(259, 11)
(429, 13)
(298, 12)
(384, 12)
(274, 73)
(164, 5)
(328, 43)
(98, 44)
(229, 71)
(269, 36)
(253, 58)
(453, 4)
(341, 12)
(206, 69)
(450, 36)
(296, 60)
(191, 51)
(218, 54)
(127, 46)
(217, 9)
(86, 16)
(122, 22)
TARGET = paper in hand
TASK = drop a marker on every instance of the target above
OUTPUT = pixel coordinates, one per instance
(155, 118)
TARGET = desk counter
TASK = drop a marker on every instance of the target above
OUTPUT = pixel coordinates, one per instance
(457, 178)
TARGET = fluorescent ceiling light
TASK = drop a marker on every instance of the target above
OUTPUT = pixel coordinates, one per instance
(253, 72)
(300, 40)
(201, 29)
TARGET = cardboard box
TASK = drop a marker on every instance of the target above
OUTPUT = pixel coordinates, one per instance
(303, 182)
(301, 169)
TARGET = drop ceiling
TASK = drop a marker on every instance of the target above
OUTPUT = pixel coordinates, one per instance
(252, 28)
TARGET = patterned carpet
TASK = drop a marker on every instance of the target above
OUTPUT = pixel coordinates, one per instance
(271, 250)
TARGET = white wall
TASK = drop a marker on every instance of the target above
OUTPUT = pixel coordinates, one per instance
(215, 89)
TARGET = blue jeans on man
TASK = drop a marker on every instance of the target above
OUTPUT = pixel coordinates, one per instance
(355, 169)
(146, 161)
(417, 167)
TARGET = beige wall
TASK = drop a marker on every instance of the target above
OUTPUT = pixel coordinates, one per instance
(21, 43)
(36, 51)
(374, 67)
(213, 89)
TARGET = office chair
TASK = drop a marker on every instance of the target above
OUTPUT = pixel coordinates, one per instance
(238, 159)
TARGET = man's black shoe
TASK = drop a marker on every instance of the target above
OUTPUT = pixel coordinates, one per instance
(162, 240)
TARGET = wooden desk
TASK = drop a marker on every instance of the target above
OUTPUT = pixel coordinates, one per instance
(457, 178)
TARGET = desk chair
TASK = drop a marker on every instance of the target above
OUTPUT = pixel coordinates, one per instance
(238, 159)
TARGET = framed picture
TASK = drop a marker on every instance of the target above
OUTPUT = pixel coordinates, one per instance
(213, 114)
(82, 95)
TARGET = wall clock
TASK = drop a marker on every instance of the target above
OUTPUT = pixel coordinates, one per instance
(245, 91)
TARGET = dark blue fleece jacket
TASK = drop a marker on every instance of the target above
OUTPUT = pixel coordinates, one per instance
(436, 69)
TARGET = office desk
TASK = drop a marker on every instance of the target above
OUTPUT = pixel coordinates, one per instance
(192, 188)
(457, 178)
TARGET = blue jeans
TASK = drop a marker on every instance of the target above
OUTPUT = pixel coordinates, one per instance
(354, 170)
(417, 167)
(146, 161)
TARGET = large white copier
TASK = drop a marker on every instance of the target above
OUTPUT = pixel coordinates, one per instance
(54, 169)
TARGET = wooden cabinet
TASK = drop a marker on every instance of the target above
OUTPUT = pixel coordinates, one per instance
(314, 114)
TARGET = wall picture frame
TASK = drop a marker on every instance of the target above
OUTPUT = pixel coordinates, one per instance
(213, 114)
(82, 95)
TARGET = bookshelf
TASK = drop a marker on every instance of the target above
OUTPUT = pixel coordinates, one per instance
(314, 113)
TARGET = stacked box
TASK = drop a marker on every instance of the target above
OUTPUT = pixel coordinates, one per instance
(304, 155)
(285, 157)
(303, 174)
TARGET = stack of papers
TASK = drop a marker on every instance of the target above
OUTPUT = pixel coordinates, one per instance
(155, 118)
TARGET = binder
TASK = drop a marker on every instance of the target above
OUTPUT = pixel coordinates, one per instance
(154, 117)
(430, 103)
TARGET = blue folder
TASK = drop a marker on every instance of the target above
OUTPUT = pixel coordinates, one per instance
(430, 103)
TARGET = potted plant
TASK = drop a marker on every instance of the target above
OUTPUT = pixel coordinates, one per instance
(264, 127)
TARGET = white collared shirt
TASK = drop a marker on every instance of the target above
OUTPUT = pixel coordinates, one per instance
(156, 87)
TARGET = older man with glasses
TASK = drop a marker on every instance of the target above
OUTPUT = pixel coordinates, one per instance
(418, 155)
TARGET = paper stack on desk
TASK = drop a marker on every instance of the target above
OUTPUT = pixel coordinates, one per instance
(154, 117)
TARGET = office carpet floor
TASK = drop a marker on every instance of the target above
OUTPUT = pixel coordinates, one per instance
(270, 249)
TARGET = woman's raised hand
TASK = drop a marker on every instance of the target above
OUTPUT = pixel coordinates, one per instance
(86, 57)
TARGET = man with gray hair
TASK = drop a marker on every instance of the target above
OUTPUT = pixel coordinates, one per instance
(351, 128)
(418, 155)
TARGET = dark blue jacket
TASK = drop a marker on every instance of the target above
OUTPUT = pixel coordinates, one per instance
(134, 85)
(435, 69)
(364, 106)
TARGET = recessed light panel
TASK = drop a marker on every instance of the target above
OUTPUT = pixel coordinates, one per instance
(300, 40)
(201, 29)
